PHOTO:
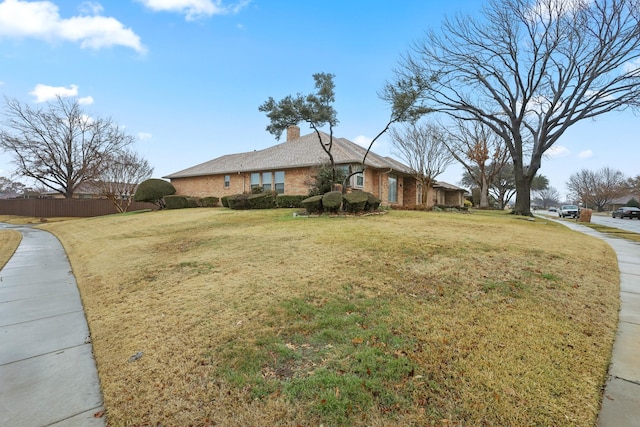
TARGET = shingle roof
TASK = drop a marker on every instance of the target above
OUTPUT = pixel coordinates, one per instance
(300, 152)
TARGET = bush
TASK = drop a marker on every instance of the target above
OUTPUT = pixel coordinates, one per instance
(209, 202)
(262, 201)
(373, 203)
(153, 191)
(176, 202)
(633, 202)
(193, 202)
(323, 179)
(238, 201)
(332, 201)
(313, 204)
(257, 190)
(225, 201)
(285, 201)
(355, 201)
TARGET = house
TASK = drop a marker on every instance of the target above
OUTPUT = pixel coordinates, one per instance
(621, 201)
(289, 167)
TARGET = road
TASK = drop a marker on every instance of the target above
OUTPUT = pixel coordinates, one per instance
(627, 224)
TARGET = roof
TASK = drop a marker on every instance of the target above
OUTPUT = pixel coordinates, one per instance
(304, 151)
(447, 186)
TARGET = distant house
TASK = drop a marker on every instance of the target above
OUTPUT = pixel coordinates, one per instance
(621, 201)
(289, 167)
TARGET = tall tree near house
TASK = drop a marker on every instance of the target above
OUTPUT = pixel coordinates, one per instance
(315, 109)
(480, 151)
(598, 188)
(120, 178)
(503, 186)
(423, 148)
(531, 69)
(60, 146)
(403, 96)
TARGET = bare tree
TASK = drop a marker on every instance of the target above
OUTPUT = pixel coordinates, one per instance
(10, 187)
(530, 69)
(598, 188)
(548, 197)
(480, 151)
(123, 172)
(423, 148)
(60, 146)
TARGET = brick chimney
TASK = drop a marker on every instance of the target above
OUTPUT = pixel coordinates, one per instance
(293, 132)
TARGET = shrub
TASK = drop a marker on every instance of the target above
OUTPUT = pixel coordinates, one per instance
(373, 203)
(355, 201)
(209, 202)
(313, 204)
(238, 201)
(176, 202)
(153, 191)
(323, 180)
(633, 202)
(225, 201)
(193, 202)
(285, 201)
(262, 201)
(257, 190)
(332, 201)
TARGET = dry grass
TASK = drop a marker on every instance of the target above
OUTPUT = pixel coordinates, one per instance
(410, 318)
(9, 241)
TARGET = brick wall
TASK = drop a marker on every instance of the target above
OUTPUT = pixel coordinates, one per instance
(298, 181)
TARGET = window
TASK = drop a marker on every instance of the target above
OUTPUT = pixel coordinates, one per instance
(266, 181)
(360, 180)
(279, 182)
(227, 181)
(255, 180)
(393, 188)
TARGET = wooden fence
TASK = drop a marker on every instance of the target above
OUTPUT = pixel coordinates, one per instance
(48, 208)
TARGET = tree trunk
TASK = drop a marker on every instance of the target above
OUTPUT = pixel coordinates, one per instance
(523, 190)
(484, 193)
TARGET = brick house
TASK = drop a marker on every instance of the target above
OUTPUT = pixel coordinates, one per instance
(288, 168)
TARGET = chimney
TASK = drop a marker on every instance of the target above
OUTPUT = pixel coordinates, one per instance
(293, 132)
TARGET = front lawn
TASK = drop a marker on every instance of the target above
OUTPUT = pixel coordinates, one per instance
(255, 318)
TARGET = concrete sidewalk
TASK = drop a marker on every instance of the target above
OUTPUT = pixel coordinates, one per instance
(621, 401)
(48, 376)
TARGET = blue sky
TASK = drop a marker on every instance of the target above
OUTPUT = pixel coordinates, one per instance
(187, 76)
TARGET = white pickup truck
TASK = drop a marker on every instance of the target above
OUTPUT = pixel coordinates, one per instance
(568, 210)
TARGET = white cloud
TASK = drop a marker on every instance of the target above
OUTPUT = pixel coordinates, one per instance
(41, 20)
(44, 93)
(557, 151)
(194, 9)
(87, 100)
(142, 136)
(362, 140)
(586, 154)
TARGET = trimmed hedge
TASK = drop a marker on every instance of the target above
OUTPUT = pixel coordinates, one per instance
(313, 204)
(238, 201)
(373, 203)
(356, 201)
(286, 201)
(262, 201)
(176, 202)
(209, 202)
(225, 201)
(332, 201)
